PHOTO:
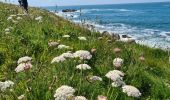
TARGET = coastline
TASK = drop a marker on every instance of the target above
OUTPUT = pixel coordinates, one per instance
(93, 27)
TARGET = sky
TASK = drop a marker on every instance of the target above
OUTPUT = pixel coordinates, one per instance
(81, 2)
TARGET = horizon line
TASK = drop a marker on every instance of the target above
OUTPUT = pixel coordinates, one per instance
(104, 4)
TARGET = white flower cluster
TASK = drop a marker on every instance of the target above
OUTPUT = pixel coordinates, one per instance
(82, 38)
(24, 59)
(53, 44)
(58, 59)
(39, 19)
(61, 46)
(80, 98)
(21, 97)
(24, 63)
(68, 55)
(131, 91)
(117, 62)
(19, 18)
(67, 93)
(117, 77)
(62, 57)
(82, 54)
(5, 85)
(83, 67)
(95, 78)
(64, 92)
(8, 30)
(9, 18)
(66, 36)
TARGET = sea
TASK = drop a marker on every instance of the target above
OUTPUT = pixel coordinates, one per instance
(147, 23)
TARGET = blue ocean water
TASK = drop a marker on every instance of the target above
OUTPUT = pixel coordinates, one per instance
(148, 23)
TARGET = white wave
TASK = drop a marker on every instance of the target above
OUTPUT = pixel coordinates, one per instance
(98, 10)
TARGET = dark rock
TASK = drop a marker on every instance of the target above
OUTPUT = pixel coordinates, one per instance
(125, 36)
(115, 36)
(69, 10)
(106, 33)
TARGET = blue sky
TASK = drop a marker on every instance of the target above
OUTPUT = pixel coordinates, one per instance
(81, 2)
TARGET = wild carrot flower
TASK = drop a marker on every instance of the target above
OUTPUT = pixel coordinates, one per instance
(83, 54)
(95, 78)
(18, 18)
(64, 92)
(83, 67)
(131, 91)
(117, 78)
(80, 98)
(5, 85)
(117, 62)
(82, 38)
(114, 72)
(101, 97)
(23, 66)
(24, 59)
(66, 36)
(58, 59)
(68, 55)
(38, 18)
(13, 15)
(21, 97)
(7, 30)
(61, 46)
(53, 44)
(10, 18)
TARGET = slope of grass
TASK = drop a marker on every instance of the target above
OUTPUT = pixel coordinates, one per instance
(30, 38)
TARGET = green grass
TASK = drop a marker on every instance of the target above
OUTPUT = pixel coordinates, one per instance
(30, 38)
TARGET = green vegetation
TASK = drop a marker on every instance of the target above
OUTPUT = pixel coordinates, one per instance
(30, 38)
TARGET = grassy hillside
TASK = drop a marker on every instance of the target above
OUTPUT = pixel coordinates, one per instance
(29, 37)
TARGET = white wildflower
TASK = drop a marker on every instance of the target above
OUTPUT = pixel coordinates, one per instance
(131, 91)
(53, 44)
(82, 38)
(66, 36)
(9, 18)
(83, 67)
(117, 77)
(96, 78)
(7, 30)
(14, 21)
(64, 92)
(13, 15)
(23, 66)
(82, 54)
(114, 72)
(61, 46)
(101, 97)
(39, 18)
(80, 98)
(21, 97)
(68, 55)
(24, 59)
(18, 18)
(58, 59)
(5, 85)
(117, 62)
(118, 83)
